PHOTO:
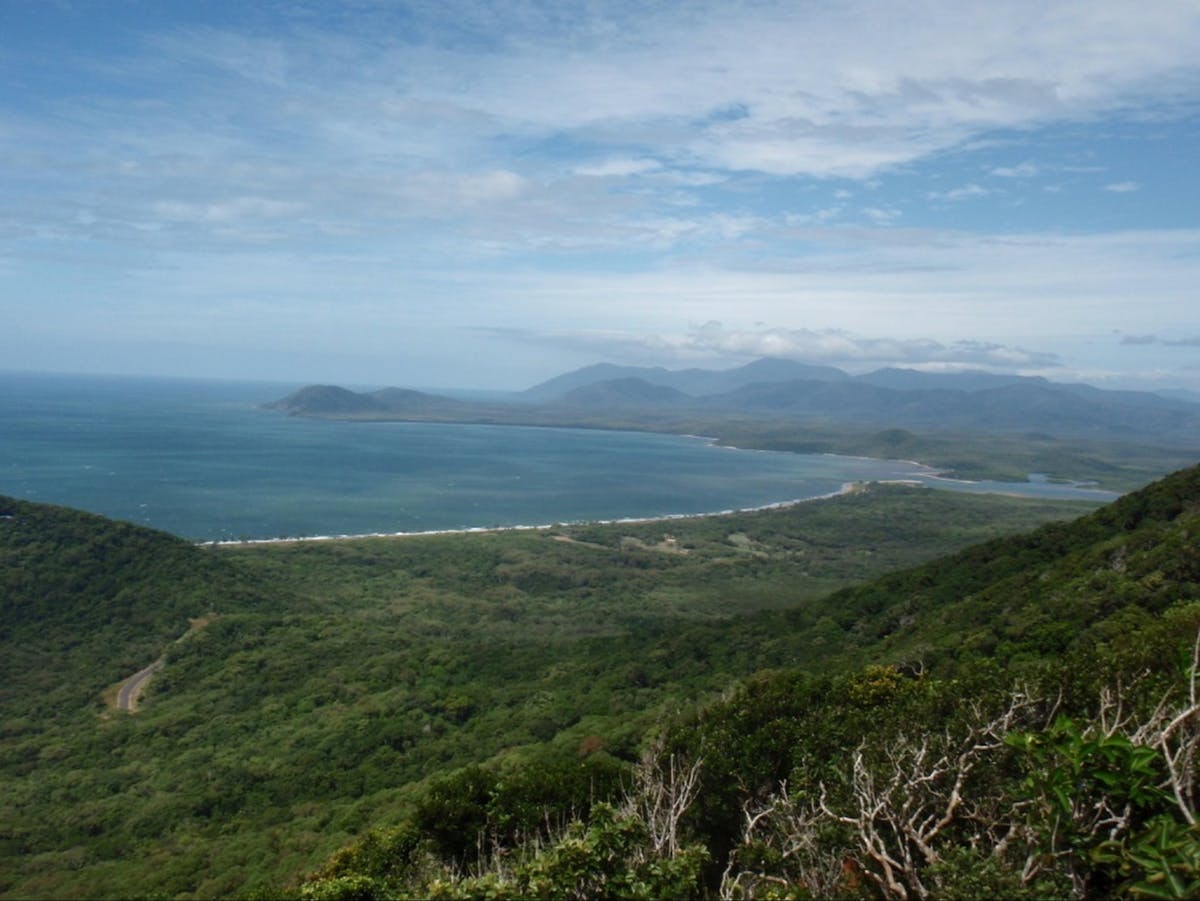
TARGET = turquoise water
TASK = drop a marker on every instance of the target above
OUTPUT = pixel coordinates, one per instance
(204, 461)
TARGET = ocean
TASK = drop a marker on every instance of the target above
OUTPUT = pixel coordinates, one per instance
(205, 461)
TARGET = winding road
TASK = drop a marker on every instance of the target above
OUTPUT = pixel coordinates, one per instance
(131, 691)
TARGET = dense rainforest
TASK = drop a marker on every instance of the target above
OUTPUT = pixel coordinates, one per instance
(1029, 729)
(897, 692)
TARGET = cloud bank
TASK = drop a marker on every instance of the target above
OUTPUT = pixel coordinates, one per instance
(836, 347)
(357, 179)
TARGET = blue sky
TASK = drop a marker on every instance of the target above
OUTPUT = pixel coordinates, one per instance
(468, 194)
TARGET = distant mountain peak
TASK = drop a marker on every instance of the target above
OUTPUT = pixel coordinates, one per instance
(326, 399)
(331, 400)
(624, 392)
(891, 397)
(694, 382)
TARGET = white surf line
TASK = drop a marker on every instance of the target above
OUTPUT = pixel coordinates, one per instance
(917, 479)
(847, 488)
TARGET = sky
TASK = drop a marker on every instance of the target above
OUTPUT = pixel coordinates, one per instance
(464, 194)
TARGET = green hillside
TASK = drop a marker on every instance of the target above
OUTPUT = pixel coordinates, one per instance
(85, 601)
(1029, 728)
(465, 694)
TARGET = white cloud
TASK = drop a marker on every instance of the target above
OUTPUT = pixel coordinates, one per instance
(341, 123)
(254, 59)
(965, 192)
(1021, 170)
(1123, 187)
(820, 216)
(846, 89)
(232, 210)
(839, 347)
(618, 167)
(818, 96)
(1025, 290)
(435, 190)
(714, 341)
(1144, 340)
(570, 165)
(882, 216)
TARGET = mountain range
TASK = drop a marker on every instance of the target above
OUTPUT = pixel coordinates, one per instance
(774, 389)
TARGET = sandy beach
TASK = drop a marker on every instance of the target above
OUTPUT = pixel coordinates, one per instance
(847, 488)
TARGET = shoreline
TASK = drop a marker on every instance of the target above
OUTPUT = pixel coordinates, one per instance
(847, 488)
(929, 478)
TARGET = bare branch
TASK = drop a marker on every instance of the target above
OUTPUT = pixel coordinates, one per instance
(662, 796)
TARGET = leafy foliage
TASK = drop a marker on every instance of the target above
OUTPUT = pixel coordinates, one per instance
(1001, 795)
(483, 700)
(1162, 861)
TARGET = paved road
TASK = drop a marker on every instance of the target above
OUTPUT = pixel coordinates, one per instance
(127, 697)
(129, 693)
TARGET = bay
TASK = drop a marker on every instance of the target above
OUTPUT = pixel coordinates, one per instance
(203, 460)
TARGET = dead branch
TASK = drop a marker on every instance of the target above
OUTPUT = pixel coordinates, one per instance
(663, 792)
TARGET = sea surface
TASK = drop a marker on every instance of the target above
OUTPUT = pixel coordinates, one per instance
(204, 460)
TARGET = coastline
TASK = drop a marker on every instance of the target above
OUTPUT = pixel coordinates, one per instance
(929, 478)
(200, 501)
(847, 488)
